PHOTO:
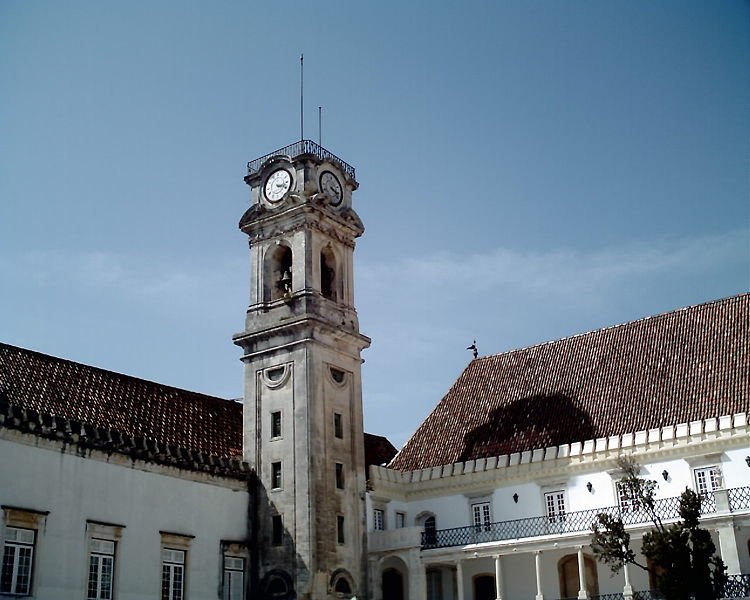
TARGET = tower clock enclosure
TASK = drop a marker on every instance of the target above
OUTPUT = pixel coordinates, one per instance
(303, 397)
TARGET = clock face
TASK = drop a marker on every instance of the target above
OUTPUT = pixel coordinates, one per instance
(277, 184)
(329, 184)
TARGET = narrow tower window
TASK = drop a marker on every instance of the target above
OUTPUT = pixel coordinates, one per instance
(328, 274)
(276, 476)
(276, 530)
(276, 424)
(340, 476)
(340, 529)
(338, 426)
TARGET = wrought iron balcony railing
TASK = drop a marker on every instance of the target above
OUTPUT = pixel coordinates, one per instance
(297, 149)
(572, 522)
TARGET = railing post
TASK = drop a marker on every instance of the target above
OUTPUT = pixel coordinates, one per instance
(721, 498)
(538, 567)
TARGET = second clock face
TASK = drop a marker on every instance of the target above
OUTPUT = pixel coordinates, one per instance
(277, 184)
(330, 185)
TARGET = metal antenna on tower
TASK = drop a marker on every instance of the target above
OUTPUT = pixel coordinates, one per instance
(301, 96)
(320, 126)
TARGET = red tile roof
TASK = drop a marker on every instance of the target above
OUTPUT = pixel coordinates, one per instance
(378, 450)
(131, 406)
(673, 368)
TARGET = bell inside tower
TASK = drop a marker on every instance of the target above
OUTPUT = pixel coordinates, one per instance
(278, 273)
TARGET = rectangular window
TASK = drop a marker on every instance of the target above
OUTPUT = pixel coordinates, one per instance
(338, 426)
(277, 530)
(234, 578)
(18, 557)
(340, 529)
(172, 574)
(626, 497)
(481, 515)
(378, 519)
(400, 520)
(707, 479)
(276, 476)
(554, 503)
(101, 569)
(340, 476)
(276, 424)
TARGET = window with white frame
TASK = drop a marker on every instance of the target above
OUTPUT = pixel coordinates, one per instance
(101, 569)
(234, 578)
(378, 519)
(554, 503)
(172, 574)
(707, 479)
(481, 515)
(18, 560)
(627, 497)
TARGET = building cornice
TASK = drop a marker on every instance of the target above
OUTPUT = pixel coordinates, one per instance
(681, 440)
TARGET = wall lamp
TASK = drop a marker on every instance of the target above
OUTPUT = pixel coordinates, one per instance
(515, 497)
(747, 460)
(665, 474)
(589, 486)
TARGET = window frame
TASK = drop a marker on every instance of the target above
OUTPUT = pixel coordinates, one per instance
(400, 519)
(229, 575)
(174, 542)
(277, 530)
(378, 519)
(96, 564)
(277, 479)
(338, 425)
(340, 535)
(340, 479)
(276, 425)
(555, 506)
(482, 508)
(16, 558)
(709, 477)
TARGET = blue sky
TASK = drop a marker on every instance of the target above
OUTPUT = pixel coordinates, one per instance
(528, 171)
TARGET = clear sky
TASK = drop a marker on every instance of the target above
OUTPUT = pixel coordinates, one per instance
(528, 171)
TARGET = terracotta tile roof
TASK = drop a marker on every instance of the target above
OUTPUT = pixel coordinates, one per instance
(378, 450)
(131, 406)
(673, 368)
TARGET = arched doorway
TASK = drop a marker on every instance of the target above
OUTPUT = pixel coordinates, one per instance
(569, 582)
(484, 587)
(393, 585)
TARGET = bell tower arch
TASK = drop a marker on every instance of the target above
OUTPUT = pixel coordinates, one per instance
(302, 354)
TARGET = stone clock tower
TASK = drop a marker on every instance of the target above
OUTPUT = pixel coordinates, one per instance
(303, 396)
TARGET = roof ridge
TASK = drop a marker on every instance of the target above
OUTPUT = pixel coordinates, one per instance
(619, 325)
(150, 382)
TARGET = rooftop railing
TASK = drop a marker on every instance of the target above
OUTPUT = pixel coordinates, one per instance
(297, 149)
(572, 522)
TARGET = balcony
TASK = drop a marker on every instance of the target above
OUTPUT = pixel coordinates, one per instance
(734, 499)
(298, 149)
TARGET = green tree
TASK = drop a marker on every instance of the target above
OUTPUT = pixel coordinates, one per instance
(681, 556)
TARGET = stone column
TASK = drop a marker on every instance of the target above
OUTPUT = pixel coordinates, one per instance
(460, 579)
(498, 579)
(538, 566)
(627, 591)
(583, 593)
(417, 576)
(376, 579)
(728, 548)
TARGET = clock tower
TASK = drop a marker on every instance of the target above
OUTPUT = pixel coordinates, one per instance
(303, 396)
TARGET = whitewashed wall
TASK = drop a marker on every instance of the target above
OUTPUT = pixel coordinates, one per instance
(75, 489)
